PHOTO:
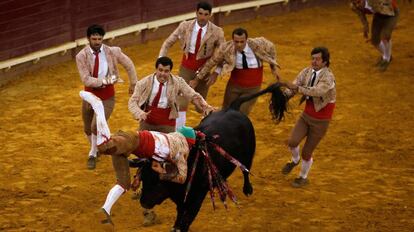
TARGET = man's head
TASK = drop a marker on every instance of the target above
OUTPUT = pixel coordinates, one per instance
(239, 36)
(203, 13)
(95, 34)
(163, 67)
(320, 58)
(188, 133)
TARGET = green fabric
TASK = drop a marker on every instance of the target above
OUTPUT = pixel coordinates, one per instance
(188, 132)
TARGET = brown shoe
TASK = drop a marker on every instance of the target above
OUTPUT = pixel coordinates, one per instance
(91, 164)
(108, 219)
(288, 167)
(299, 182)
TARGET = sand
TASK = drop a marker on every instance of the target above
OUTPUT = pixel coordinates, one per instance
(361, 180)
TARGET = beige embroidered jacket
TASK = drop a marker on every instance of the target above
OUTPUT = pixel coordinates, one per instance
(378, 6)
(323, 92)
(175, 86)
(211, 41)
(179, 151)
(226, 55)
(85, 61)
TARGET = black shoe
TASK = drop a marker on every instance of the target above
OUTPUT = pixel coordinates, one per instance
(384, 65)
(299, 182)
(288, 167)
(91, 164)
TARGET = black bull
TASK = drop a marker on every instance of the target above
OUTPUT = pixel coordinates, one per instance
(235, 135)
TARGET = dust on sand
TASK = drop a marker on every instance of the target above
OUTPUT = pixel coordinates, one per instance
(362, 178)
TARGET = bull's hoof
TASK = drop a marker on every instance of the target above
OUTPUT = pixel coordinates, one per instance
(150, 218)
(248, 189)
(175, 230)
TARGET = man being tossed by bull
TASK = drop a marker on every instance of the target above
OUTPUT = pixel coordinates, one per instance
(167, 152)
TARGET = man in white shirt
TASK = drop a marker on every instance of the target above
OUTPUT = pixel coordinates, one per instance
(244, 58)
(199, 38)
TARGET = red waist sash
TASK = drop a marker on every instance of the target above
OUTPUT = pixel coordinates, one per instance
(103, 93)
(159, 116)
(251, 77)
(146, 147)
(192, 63)
(325, 113)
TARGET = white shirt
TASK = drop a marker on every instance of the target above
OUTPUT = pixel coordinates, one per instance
(194, 34)
(252, 61)
(162, 149)
(103, 64)
(316, 78)
(163, 103)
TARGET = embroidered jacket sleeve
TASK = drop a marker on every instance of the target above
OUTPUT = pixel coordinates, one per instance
(361, 15)
(139, 97)
(127, 63)
(267, 50)
(84, 71)
(299, 81)
(216, 59)
(190, 94)
(170, 41)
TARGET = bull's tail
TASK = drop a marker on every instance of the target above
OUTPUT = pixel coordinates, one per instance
(278, 102)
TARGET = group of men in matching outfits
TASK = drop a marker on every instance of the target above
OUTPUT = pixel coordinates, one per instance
(160, 100)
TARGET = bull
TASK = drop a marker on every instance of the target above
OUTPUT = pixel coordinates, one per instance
(233, 132)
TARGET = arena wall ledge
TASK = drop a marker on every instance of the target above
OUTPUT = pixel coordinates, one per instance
(16, 67)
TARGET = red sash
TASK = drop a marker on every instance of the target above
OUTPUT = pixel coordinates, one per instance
(251, 77)
(325, 113)
(159, 116)
(103, 93)
(192, 63)
(146, 147)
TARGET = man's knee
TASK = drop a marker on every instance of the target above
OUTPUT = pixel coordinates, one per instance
(125, 184)
(292, 143)
(306, 156)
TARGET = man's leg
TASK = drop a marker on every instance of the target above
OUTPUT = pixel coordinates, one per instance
(87, 117)
(299, 131)
(247, 107)
(386, 33)
(231, 93)
(108, 108)
(182, 102)
(317, 130)
(121, 167)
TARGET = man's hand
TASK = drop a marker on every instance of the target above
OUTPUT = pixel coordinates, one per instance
(110, 80)
(194, 82)
(209, 110)
(143, 116)
(212, 79)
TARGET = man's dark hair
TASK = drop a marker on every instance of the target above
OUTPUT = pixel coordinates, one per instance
(325, 54)
(205, 6)
(95, 29)
(164, 61)
(239, 31)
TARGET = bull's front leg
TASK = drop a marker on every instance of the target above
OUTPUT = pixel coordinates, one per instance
(187, 212)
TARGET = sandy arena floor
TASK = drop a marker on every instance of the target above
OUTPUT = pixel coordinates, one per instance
(362, 178)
